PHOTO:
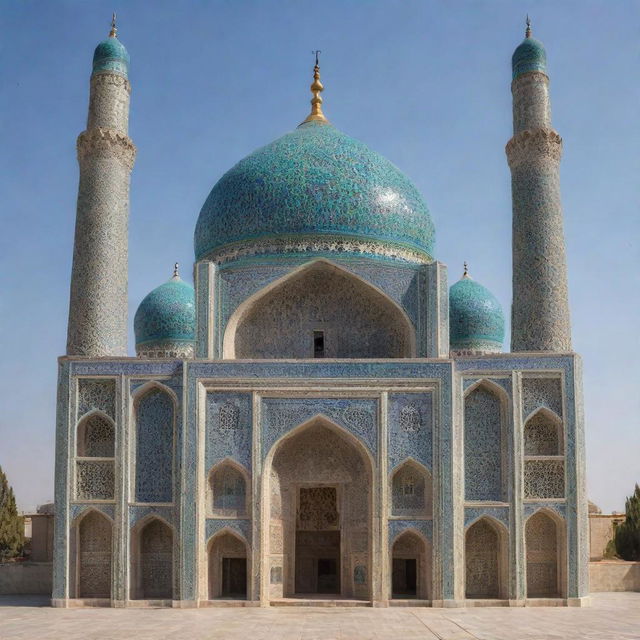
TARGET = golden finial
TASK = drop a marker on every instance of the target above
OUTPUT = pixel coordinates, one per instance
(114, 30)
(466, 271)
(527, 33)
(175, 270)
(316, 114)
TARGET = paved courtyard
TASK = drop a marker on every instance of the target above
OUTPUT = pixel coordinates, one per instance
(613, 616)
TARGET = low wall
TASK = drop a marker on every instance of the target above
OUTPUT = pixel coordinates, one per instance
(614, 575)
(26, 578)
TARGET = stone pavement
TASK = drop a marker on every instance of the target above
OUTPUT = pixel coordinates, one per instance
(614, 616)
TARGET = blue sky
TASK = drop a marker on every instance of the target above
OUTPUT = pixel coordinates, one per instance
(427, 84)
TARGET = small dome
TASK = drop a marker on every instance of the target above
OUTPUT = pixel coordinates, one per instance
(529, 56)
(476, 321)
(315, 186)
(165, 322)
(110, 55)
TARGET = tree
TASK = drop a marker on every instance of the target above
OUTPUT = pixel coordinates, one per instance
(11, 524)
(627, 535)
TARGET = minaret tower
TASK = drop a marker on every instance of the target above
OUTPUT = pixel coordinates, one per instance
(540, 311)
(98, 305)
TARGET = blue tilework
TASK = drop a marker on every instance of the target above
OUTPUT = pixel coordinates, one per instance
(357, 415)
(475, 317)
(137, 513)
(501, 514)
(110, 55)
(314, 181)
(154, 447)
(78, 509)
(168, 313)
(228, 442)
(529, 56)
(243, 527)
(396, 527)
(407, 442)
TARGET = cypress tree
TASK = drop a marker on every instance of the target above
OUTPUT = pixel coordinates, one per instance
(11, 524)
(627, 534)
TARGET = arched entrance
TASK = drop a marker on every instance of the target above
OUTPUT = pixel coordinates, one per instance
(319, 510)
(152, 560)
(486, 564)
(93, 561)
(410, 567)
(228, 566)
(544, 541)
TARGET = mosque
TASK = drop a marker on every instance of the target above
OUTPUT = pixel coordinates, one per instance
(321, 417)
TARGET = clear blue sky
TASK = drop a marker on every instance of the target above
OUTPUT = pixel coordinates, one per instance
(424, 83)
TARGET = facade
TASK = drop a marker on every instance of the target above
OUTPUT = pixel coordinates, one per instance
(320, 416)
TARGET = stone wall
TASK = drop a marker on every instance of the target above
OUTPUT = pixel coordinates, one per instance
(601, 527)
(25, 578)
(614, 575)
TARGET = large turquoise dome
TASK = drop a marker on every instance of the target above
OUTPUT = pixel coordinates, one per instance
(166, 318)
(315, 187)
(111, 55)
(476, 321)
(530, 55)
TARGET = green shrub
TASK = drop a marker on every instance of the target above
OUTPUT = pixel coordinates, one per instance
(11, 524)
(627, 536)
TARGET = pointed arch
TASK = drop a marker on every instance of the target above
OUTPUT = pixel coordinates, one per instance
(152, 559)
(486, 559)
(485, 458)
(91, 553)
(411, 488)
(154, 407)
(545, 550)
(543, 433)
(228, 560)
(266, 326)
(317, 493)
(228, 489)
(95, 435)
(411, 565)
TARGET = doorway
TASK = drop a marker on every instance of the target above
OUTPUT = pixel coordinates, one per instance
(404, 578)
(234, 578)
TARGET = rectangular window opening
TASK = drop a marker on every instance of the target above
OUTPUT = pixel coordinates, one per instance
(318, 344)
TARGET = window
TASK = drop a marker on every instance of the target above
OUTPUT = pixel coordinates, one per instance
(318, 344)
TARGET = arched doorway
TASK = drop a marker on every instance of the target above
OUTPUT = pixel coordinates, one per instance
(319, 310)
(544, 545)
(319, 511)
(152, 560)
(410, 567)
(228, 567)
(484, 549)
(94, 536)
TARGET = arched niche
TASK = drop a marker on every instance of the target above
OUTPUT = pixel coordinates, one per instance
(411, 567)
(317, 494)
(543, 434)
(152, 544)
(227, 490)
(411, 491)
(485, 455)
(95, 436)
(91, 554)
(228, 566)
(486, 561)
(154, 411)
(545, 552)
(319, 310)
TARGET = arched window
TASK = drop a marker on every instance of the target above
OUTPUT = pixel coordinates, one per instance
(95, 450)
(483, 556)
(542, 434)
(94, 556)
(542, 546)
(483, 455)
(227, 491)
(410, 491)
(154, 447)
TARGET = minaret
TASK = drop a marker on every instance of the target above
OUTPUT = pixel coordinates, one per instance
(540, 310)
(98, 305)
